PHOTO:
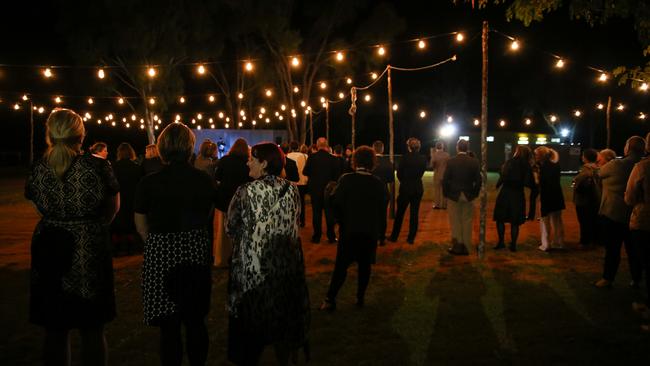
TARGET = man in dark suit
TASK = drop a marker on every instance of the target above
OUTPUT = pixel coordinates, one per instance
(290, 166)
(461, 184)
(358, 202)
(321, 168)
(386, 173)
(410, 172)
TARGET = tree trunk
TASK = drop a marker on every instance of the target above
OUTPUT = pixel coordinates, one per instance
(484, 122)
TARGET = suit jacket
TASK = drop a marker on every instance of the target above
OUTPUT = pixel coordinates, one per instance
(410, 172)
(291, 170)
(321, 168)
(614, 176)
(384, 169)
(359, 203)
(462, 175)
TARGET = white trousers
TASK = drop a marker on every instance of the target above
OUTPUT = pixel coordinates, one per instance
(551, 225)
(461, 215)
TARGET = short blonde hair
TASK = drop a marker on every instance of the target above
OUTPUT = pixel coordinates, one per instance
(175, 143)
(64, 135)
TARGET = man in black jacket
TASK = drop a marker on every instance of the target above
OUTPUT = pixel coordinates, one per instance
(386, 173)
(461, 184)
(321, 168)
(410, 172)
(358, 202)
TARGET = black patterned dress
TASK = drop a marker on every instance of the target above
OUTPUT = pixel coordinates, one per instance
(72, 268)
(268, 298)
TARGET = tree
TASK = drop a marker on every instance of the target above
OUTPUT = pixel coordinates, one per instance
(127, 36)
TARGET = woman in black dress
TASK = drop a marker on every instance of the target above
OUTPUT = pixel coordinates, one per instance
(510, 205)
(173, 220)
(72, 269)
(128, 174)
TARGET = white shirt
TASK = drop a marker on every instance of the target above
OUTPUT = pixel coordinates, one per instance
(301, 160)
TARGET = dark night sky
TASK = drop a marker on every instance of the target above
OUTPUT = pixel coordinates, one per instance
(521, 85)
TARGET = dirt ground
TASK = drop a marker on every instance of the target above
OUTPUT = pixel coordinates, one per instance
(423, 307)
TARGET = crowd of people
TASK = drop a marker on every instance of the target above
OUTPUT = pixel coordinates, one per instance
(245, 213)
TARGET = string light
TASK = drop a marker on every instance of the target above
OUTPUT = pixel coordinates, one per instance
(460, 37)
(152, 101)
(502, 123)
(182, 100)
(128, 125)
(603, 77)
(57, 100)
(528, 121)
(142, 127)
(577, 113)
(642, 115)
(303, 103)
(367, 97)
(559, 64)
(240, 95)
(269, 93)
(133, 117)
(100, 73)
(242, 113)
(323, 85)
(199, 116)
(283, 107)
(211, 99)
(620, 107)
(295, 61)
(339, 56)
(248, 66)
(422, 44)
(177, 118)
(41, 110)
(373, 75)
(476, 122)
(349, 81)
(322, 99)
(644, 87)
(514, 45)
(90, 101)
(267, 120)
(16, 106)
(200, 69)
(423, 114)
(47, 73)
(553, 118)
(296, 89)
(112, 123)
(193, 121)
(341, 95)
(25, 97)
(240, 124)
(450, 119)
(155, 127)
(395, 107)
(120, 101)
(220, 115)
(227, 125)
(600, 106)
(151, 72)
(262, 110)
(254, 122)
(381, 51)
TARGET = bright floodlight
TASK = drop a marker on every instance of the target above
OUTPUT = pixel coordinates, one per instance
(447, 130)
(564, 132)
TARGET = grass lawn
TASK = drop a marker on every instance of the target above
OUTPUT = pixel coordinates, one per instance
(423, 307)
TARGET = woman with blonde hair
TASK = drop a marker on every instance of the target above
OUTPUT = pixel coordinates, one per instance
(206, 160)
(72, 270)
(151, 162)
(176, 279)
(550, 197)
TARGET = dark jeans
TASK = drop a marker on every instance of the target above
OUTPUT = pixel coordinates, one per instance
(196, 341)
(641, 240)
(318, 206)
(360, 250)
(303, 191)
(588, 220)
(615, 234)
(404, 201)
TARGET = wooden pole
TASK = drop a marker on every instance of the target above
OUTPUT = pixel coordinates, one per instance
(609, 121)
(391, 143)
(327, 121)
(311, 127)
(484, 122)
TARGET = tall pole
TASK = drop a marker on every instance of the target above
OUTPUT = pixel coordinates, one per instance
(31, 132)
(484, 124)
(327, 121)
(311, 127)
(391, 143)
(609, 121)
